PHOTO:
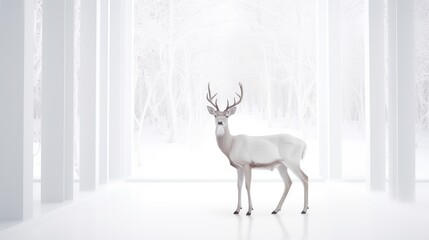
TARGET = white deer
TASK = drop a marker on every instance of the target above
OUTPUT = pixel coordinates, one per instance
(244, 152)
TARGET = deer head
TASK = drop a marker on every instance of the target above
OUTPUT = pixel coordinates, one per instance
(221, 117)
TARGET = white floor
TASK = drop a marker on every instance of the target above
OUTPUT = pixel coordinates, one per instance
(204, 211)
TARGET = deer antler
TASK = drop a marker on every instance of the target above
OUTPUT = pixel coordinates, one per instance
(210, 98)
(240, 97)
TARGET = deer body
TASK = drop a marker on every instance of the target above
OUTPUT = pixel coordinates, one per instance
(245, 153)
(261, 152)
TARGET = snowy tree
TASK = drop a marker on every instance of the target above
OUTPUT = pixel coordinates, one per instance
(422, 63)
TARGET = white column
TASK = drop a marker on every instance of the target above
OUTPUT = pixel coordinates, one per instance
(374, 94)
(28, 109)
(334, 90)
(406, 100)
(16, 104)
(127, 82)
(68, 100)
(53, 129)
(120, 88)
(392, 100)
(116, 166)
(322, 86)
(329, 88)
(89, 95)
(104, 90)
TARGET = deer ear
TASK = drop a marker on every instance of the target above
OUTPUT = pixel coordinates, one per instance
(231, 111)
(211, 110)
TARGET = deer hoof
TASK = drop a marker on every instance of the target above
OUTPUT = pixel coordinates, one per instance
(275, 212)
(236, 212)
(248, 213)
(304, 211)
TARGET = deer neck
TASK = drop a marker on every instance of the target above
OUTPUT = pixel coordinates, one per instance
(224, 142)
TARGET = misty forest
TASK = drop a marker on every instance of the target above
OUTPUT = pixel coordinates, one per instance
(179, 46)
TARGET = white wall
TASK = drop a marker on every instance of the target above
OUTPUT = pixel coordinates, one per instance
(16, 104)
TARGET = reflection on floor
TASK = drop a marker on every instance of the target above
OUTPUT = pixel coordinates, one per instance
(204, 211)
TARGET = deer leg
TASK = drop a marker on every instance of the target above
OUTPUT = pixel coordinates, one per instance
(304, 179)
(305, 182)
(288, 182)
(248, 178)
(240, 177)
